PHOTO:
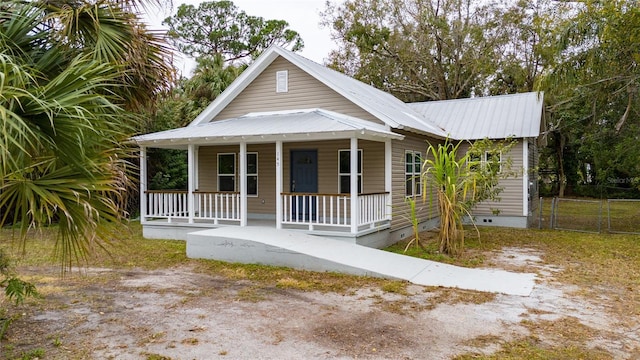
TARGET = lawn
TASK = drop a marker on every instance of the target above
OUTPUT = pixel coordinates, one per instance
(603, 268)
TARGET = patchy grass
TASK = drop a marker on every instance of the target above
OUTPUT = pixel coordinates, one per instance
(128, 250)
(605, 267)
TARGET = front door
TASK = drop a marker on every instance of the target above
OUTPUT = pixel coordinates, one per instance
(304, 179)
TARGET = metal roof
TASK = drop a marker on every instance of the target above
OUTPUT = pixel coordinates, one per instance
(292, 125)
(493, 117)
(380, 104)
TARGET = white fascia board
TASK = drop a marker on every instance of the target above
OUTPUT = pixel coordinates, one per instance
(238, 85)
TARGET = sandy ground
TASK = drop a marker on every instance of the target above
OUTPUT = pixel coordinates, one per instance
(179, 314)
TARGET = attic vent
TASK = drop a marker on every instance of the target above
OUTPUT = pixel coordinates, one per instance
(282, 81)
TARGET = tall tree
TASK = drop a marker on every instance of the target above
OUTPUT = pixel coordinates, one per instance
(595, 118)
(176, 108)
(418, 49)
(70, 70)
(220, 28)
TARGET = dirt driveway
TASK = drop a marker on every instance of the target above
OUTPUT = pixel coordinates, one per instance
(177, 313)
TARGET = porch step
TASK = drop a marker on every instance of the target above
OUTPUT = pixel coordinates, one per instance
(269, 246)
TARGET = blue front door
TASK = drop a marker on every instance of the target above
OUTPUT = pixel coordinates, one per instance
(304, 179)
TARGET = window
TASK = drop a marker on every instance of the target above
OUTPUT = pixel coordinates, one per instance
(412, 171)
(475, 161)
(252, 174)
(344, 171)
(493, 161)
(226, 172)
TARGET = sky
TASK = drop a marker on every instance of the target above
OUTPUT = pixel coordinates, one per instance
(303, 16)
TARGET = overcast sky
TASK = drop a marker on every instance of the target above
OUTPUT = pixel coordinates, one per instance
(303, 16)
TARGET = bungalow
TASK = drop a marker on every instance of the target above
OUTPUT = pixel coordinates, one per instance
(292, 144)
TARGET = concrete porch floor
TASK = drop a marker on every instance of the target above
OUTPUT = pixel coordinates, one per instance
(270, 246)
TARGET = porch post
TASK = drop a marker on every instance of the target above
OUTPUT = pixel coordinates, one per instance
(243, 183)
(196, 176)
(388, 176)
(191, 174)
(354, 184)
(143, 184)
(279, 184)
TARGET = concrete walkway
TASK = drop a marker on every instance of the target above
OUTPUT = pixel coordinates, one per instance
(263, 245)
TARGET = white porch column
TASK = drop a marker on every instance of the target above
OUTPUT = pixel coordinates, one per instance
(387, 176)
(279, 184)
(191, 179)
(143, 184)
(243, 184)
(197, 168)
(354, 184)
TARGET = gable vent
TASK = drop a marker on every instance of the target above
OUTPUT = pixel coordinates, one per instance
(282, 81)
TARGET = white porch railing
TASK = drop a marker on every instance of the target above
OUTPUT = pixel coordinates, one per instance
(217, 206)
(311, 210)
(167, 204)
(373, 208)
(333, 209)
(174, 204)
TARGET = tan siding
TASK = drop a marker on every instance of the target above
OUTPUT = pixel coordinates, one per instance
(372, 157)
(510, 203)
(373, 169)
(400, 208)
(305, 92)
(208, 174)
(266, 180)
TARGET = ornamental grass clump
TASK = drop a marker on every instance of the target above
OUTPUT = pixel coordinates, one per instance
(461, 182)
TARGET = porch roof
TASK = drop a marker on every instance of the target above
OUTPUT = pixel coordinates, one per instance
(291, 125)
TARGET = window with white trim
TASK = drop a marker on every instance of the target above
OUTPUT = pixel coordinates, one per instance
(412, 173)
(252, 174)
(226, 172)
(344, 171)
(493, 161)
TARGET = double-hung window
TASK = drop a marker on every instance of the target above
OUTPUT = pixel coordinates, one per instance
(344, 171)
(252, 174)
(412, 172)
(227, 173)
(493, 161)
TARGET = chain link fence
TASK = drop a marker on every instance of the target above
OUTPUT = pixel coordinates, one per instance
(589, 215)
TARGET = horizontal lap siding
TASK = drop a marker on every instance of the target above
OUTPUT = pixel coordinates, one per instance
(400, 209)
(372, 157)
(208, 174)
(305, 92)
(510, 203)
(372, 175)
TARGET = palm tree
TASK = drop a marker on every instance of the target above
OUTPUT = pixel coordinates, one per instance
(70, 72)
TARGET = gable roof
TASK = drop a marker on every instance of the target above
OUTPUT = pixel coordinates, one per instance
(290, 125)
(493, 117)
(384, 106)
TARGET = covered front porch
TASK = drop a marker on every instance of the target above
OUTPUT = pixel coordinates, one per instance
(314, 171)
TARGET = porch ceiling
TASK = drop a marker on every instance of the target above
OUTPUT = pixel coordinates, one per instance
(293, 125)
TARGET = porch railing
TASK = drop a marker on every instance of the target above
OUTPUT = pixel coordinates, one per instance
(373, 208)
(328, 210)
(174, 204)
(217, 206)
(333, 209)
(168, 204)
